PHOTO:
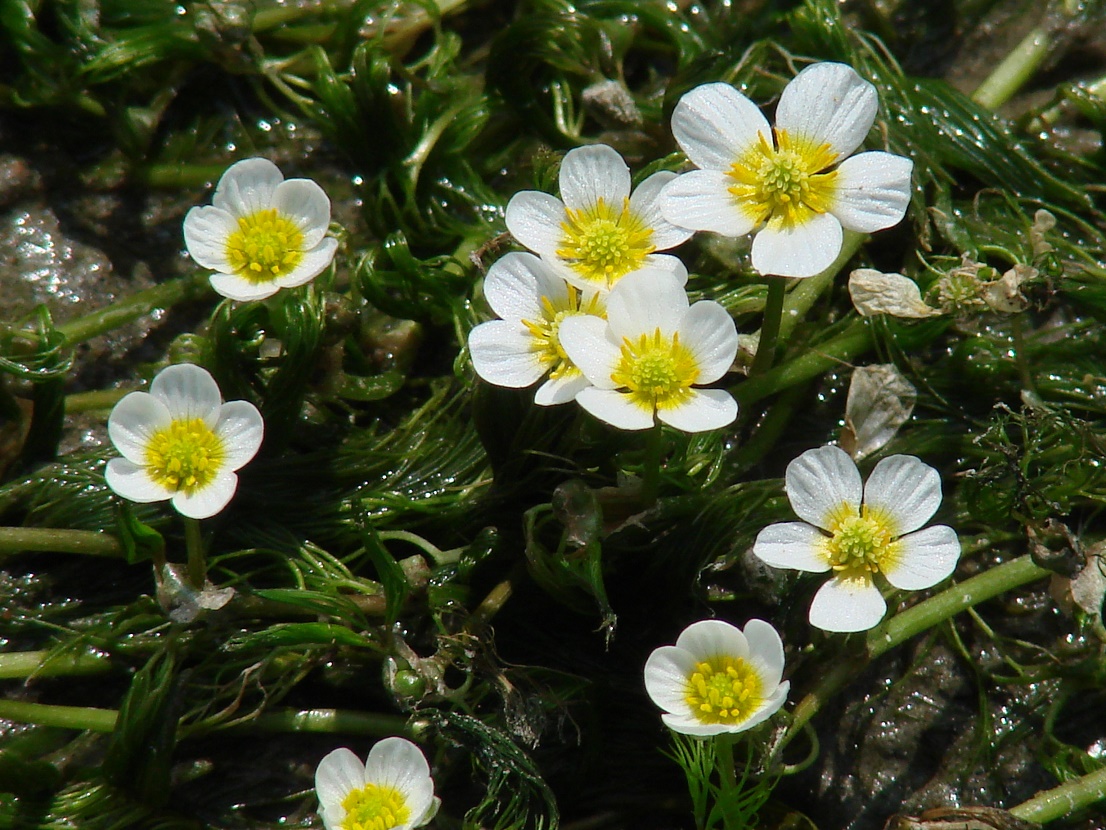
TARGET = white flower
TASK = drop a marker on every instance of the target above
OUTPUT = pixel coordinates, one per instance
(180, 441)
(858, 530)
(392, 790)
(644, 360)
(794, 182)
(718, 678)
(261, 233)
(600, 232)
(524, 345)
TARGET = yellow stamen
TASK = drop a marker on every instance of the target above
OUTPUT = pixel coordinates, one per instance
(724, 689)
(862, 545)
(784, 185)
(265, 246)
(605, 242)
(375, 807)
(186, 455)
(546, 331)
(657, 369)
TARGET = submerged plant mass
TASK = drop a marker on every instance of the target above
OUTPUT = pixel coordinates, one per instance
(394, 380)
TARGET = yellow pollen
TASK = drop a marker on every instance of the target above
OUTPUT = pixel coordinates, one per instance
(375, 807)
(265, 246)
(186, 455)
(784, 185)
(724, 689)
(605, 242)
(546, 331)
(859, 545)
(657, 369)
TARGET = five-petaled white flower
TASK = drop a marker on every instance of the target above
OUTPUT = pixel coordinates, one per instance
(600, 232)
(858, 530)
(261, 232)
(645, 359)
(718, 678)
(524, 345)
(180, 441)
(794, 182)
(392, 790)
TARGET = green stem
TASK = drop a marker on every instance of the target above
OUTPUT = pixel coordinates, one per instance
(23, 664)
(723, 753)
(1064, 800)
(770, 328)
(332, 721)
(853, 341)
(144, 302)
(1010, 75)
(912, 621)
(96, 400)
(194, 543)
(66, 717)
(651, 467)
(440, 557)
(802, 297)
(56, 540)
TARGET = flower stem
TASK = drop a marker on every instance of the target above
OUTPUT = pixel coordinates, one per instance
(23, 664)
(1063, 800)
(332, 721)
(919, 618)
(58, 540)
(194, 542)
(66, 717)
(1015, 69)
(723, 754)
(770, 328)
(800, 298)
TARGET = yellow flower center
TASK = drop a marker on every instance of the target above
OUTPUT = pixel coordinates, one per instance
(375, 807)
(546, 331)
(265, 246)
(859, 545)
(724, 689)
(186, 455)
(783, 184)
(604, 243)
(657, 369)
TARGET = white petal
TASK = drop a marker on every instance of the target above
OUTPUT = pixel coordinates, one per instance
(561, 390)
(704, 410)
(795, 545)
(314, 262)
(819, 482)
(668, 264)
(132, 482)
(516, 283)
(715, 124)
(904, 490)
(339, 773)
(247, 187)
(800, 250)
(690, 725)
(645, 204)
(205, 236)
(615, 408)
(205, 503)
(307, 205)
(502, 353)
(589, 174)
(872, 191)
(923, 559)
(133, 421)
(429, 813)
(666, 674)
(700, 200)
(188, 391)
(241, 289)
(644, 301)
(828, 103)
(534, 219)
(712, 638)
(587, 341)
(765, 652)
(847, 605)
(709, 332)
(770, 706)
(241, 429)
(396, 762)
